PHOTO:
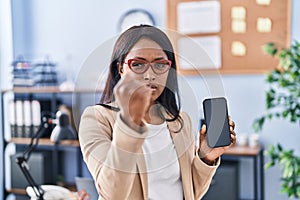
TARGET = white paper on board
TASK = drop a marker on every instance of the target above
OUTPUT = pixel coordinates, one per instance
(198, 17)
(200, 52)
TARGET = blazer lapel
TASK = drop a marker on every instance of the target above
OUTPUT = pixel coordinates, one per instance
(181, 146)
(142, 168)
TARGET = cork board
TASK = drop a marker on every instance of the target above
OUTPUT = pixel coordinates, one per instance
(253, 60)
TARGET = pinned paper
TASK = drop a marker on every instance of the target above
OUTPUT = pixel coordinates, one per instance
(199, 17)
(238, 16)
(238, 48)
(263, 2)
(264, 25)
(238, 26)
(238, 12)
(199, 52)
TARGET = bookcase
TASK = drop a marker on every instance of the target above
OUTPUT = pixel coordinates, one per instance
(64, 158)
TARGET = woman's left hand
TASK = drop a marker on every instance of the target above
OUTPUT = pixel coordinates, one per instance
(83, 195)
(209, 155)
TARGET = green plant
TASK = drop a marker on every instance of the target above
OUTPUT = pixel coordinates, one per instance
(290, 169)
(283, 101)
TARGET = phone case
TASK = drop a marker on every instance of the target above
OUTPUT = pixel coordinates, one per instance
(217, 123)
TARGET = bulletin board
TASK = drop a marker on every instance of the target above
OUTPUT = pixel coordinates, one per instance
(253, 60)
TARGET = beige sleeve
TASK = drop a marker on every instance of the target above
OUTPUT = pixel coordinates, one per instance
(202, 173)
(110, 152)
(202, 176)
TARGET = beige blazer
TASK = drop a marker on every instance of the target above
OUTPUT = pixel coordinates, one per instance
(113, 154)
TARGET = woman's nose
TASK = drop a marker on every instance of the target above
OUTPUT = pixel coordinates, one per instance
(149, 75)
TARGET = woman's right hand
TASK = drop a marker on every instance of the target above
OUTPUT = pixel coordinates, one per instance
(133, 98)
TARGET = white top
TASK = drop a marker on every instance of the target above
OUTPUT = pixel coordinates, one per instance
(164, 180)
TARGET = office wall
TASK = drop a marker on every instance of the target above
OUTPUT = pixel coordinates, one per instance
(64, 29)
(6, 52)
(73, 28)
(68, 32)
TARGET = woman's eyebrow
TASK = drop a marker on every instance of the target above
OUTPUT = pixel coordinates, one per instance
(141, 58)
(159, 58)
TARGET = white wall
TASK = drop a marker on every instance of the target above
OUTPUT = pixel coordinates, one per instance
(70, 28)
(6, 55)
(75, 28)
(6, 45)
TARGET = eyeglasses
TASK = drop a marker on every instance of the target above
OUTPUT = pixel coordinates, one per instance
(141, 66)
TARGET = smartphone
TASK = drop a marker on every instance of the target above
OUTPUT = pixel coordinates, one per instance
(217, 123)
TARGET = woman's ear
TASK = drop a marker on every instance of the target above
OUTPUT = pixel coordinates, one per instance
(120, 69)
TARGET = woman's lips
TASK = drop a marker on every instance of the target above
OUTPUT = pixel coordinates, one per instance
(152, 86)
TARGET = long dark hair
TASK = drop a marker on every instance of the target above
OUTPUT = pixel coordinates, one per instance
(169, 98)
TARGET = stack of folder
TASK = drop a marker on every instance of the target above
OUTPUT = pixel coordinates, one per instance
(24, 117)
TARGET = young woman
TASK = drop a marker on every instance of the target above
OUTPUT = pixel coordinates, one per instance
(137, 143)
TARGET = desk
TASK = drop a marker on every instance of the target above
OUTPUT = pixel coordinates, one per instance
(256, 153)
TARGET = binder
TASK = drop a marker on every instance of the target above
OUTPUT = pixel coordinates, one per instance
(19, 119)
(27, 119)
(36, 115)
(12, 118)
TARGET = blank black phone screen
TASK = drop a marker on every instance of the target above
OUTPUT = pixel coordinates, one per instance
(216, 120)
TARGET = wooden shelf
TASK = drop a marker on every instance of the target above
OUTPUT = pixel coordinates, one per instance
(49, 89)
(45, 142)
(243, 151)
(17, 191)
